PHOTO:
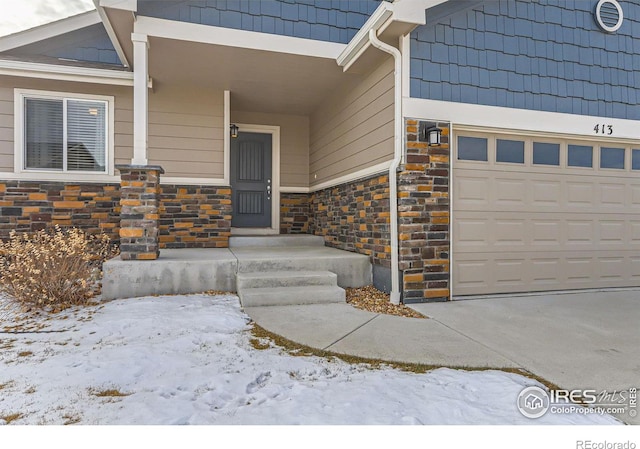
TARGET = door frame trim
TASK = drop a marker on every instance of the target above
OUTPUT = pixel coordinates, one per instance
(275, 178)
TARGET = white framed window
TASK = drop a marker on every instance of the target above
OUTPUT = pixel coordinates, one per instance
(63, 134)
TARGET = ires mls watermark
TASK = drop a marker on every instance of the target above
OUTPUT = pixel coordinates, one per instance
(535, 402)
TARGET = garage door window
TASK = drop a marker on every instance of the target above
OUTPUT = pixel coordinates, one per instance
(472, 148)
(635, 159)
(511, 151)
(612, 157)
(546, 153)
(580, 156)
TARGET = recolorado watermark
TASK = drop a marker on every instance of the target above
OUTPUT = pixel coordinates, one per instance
(535, 402)
(588, 444)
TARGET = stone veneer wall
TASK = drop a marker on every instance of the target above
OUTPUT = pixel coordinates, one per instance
(294, 213)
(423, 215)
(28, 206)
(355, 217)
(190, 216)
(195, 216)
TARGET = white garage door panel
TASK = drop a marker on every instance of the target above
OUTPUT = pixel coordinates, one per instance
(524, 272)
(501, 233)
(478, 189)
(525, 227)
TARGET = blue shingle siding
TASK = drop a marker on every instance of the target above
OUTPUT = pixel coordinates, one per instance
(545, 55)
(327, 20)
(90, 44)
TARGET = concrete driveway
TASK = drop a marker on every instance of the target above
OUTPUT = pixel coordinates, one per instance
(575, 340)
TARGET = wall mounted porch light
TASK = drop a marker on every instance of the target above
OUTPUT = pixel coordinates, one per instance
(234, 130)
(432, 136)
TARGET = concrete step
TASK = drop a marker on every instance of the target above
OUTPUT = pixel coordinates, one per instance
(245, 241)
(285, 279)
(353, 270)
(285, 296)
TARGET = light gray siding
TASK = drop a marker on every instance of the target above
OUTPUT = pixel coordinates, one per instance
(185, 125)
(353, 129)
(123, 113)
(186, 131)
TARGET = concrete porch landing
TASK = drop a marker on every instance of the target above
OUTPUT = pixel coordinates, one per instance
(184, 271)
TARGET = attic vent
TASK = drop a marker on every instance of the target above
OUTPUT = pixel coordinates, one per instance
(609, 15)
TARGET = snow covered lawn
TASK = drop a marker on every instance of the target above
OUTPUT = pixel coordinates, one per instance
(189, 360)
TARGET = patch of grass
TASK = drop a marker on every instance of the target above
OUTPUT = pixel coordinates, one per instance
(7, 344)
(296, 349)
(6, 385)
(10, 418)
(25, 354)
(70, 419)
(373, 300)
(110, 393)
(30, 390)
(218, 292)
(259, 344)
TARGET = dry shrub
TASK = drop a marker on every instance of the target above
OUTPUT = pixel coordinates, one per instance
(53, 269)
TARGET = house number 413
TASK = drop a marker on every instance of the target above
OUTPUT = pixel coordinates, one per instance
(603, 129)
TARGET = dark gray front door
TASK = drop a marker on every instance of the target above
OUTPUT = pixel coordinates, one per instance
(251, 185)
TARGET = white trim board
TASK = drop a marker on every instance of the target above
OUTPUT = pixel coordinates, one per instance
(18, 135)
(360, 174)
(193, 181)
(494, 117)
(294, 190)
(125, 5)
(48, 30)
(112, 34)
(227, 137)
(65, 73)
(207, 34)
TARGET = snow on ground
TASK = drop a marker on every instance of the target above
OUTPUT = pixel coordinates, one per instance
(188, 360)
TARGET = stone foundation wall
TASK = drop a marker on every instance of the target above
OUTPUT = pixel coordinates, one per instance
(27, 206)
(355, 217)
(294, 213)
(190, 216)
(423, 216)
(195, 216)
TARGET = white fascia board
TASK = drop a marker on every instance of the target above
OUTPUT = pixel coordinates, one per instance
(495, 118)
(65, 73)
(49, 30)
(408, 11)
(360, 41)
(207, 34)
(413, 11)
(125, 5)
(111, 33)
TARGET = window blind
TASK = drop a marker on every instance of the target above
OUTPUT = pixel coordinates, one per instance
(85, 136)
(65, 134)
(44, 134)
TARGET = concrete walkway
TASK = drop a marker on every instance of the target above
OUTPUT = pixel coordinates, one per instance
(577, 341)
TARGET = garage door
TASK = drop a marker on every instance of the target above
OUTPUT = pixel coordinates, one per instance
(537, 214)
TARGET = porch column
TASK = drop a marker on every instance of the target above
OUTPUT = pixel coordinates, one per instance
(140, 98)
(139, 211)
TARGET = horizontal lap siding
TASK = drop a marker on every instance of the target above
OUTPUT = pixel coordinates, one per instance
(6, 129)
(294, 143)
(354, 128)
(186, 132)
(123, 138)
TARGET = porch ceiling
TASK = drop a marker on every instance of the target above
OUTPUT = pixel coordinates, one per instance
(260, 81)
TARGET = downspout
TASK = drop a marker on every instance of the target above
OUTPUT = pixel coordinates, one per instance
(397, 151)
